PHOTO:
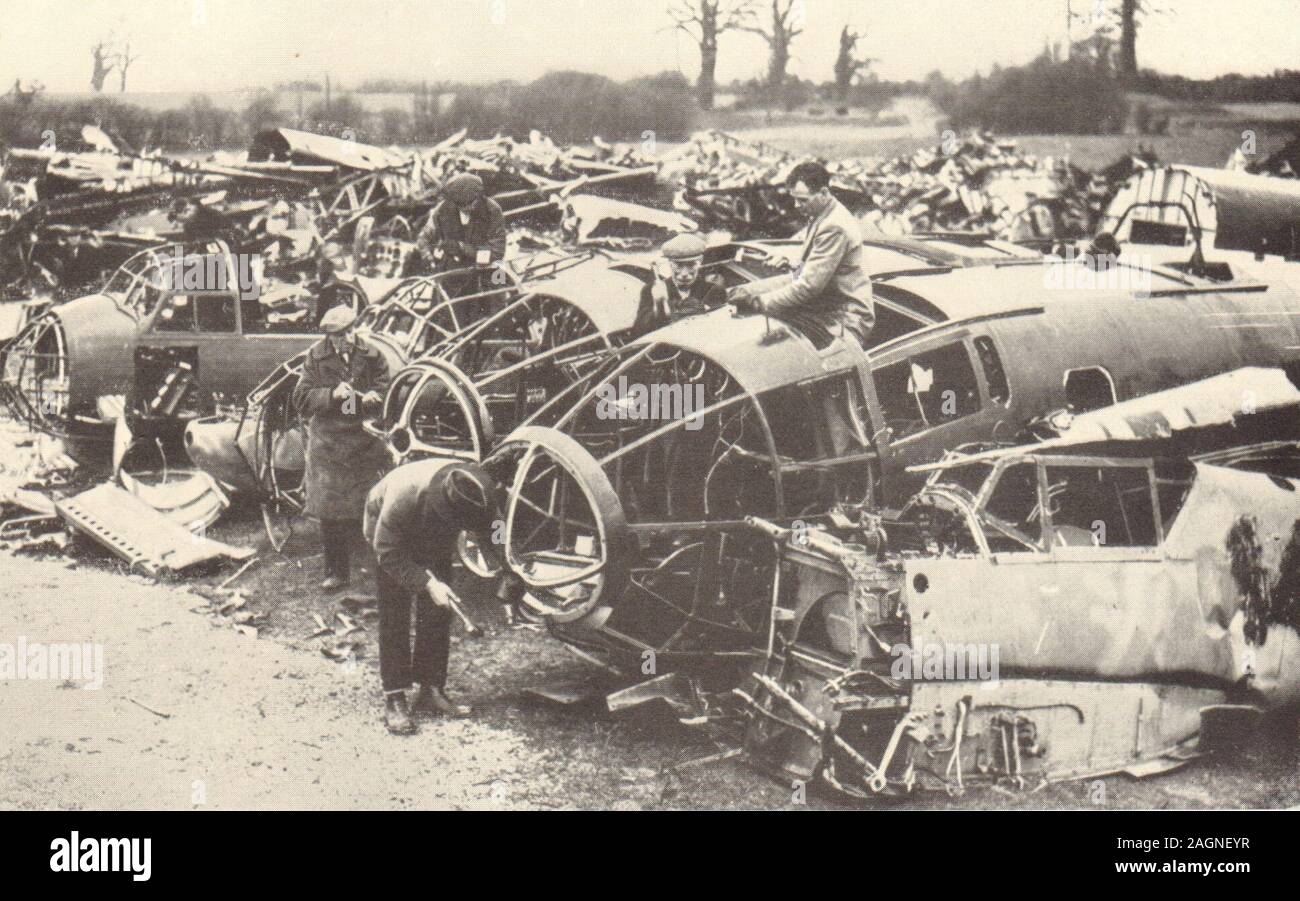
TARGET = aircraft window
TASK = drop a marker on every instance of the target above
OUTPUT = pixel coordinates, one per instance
(994, 374)
(1014, 502)
(176, 316)
(1089, 389)
(398, 324)
(929, 389)
(289, 311)
(144, 298)
(215, 312)
(889, 325)
(1100, 506)
(814, 424)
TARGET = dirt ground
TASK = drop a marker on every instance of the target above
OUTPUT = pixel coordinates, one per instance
(194, 713)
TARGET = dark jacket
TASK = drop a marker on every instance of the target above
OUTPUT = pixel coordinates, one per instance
(703, 296)
(460, 241)
(410, 524)
(343, 461)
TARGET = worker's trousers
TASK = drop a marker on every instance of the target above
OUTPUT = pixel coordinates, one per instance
(337, 536)
(399, 664)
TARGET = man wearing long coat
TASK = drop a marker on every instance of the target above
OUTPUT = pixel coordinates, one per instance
(341, 381)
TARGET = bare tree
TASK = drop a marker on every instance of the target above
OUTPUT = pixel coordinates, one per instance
(1128, 28)
(705, 21)
(103, 59)
(786, 25)
(847, 64)
(1127, 16)
(124, 60)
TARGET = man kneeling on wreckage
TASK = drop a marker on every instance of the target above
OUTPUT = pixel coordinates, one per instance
(413, 519)
(831, 289)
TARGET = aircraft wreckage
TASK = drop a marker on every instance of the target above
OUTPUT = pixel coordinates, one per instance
(672, 526)
(782, 532)
(467, 368)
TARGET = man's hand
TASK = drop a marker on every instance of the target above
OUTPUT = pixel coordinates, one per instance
(744, 301)
(439, 592)
(659, 294)
(371, 398)
(341, 391)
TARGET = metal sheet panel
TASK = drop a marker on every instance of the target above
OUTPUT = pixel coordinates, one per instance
(138, 533)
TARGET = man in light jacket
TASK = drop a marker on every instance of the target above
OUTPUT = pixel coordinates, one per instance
(831, 291)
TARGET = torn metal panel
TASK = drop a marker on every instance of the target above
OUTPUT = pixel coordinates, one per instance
(188, 497)
(1216, 401)
(292, 145)
(139, 534)
(1095, 658)
(603, 220)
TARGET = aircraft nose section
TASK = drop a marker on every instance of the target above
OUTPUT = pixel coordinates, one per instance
(69, 364)
(433, 409)
(566, 536)
(35, 382)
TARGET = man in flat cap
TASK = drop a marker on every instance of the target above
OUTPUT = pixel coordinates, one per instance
(831, 290)
(466, 229)
(680, 291)
(341, 379)
(414, 518)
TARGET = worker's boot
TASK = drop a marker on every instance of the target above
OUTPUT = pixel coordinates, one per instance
(397, 715)
(434, 702)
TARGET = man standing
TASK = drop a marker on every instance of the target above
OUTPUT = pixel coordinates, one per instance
(414, 517)
(341, 379)
(679, 292)
(831, 289)
(466, 229)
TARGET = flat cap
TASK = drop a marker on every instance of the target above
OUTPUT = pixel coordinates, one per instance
(338, 319)
(686, 246)
(463, 188)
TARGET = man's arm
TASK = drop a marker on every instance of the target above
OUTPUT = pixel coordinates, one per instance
(310, 397)
(391, 547)
(647, 316)
(830, 244)
(715, 295)
(496, 233)
(427, 240)
(374, 379)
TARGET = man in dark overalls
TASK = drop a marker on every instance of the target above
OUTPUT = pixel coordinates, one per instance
(341, 380)
(414, 517)
(467, 230)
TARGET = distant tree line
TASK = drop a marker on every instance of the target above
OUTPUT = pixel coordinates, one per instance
(566, 106)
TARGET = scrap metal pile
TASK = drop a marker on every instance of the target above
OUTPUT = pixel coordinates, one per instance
(1107, 446)
(978, 183)
(68, 218)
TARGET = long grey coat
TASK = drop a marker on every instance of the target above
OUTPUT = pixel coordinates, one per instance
(343, 461)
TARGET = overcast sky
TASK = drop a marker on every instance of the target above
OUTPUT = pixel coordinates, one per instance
(214, 45)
